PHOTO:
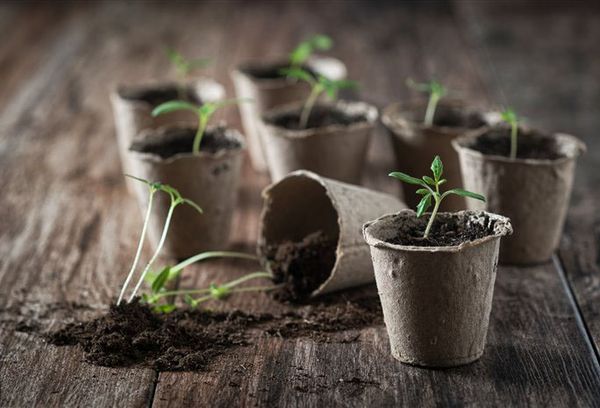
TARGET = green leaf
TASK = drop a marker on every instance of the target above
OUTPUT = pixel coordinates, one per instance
(301, 53)
(173, 106)
(509, 116)
(464, 193)
(321, 42)
(442, 181)
(423, 191)
(429, 180)
(161, 279)
(437, 168)
(193, 204)
(167, 308)
(298, 73)
(218, 292)
(406, 178)
(423, 205)
(190, 301)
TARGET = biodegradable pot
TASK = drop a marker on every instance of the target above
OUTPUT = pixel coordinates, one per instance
(416, 144)
(133, 105)
(304, 202)
(263, 83)
(436, 300)
(533, 192)
(210, 179)
(337, 151)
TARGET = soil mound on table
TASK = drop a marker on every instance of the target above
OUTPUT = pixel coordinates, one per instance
(186, 340)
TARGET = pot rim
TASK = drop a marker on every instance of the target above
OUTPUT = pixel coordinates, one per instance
(462, 144)
(220, 154)
(505, 228)
(274, 83)
(371, 112)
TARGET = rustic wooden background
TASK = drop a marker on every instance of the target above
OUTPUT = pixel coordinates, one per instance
(68, 228)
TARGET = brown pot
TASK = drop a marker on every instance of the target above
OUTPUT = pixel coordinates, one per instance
(336, 151)
(210, 179)
(268, 91)
(436, 300)
(304, 202)
(133, 105)
(533, 193)
(415, 145)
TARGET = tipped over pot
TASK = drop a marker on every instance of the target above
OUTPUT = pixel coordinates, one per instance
(334, 143)
(436, 293)
(268, 88)
(310, 233)
(210, 179)
(533, 190)
(133, 105)
(415, 143)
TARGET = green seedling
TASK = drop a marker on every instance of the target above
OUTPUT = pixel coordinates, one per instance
(204, 113)
(318, 85)
(510, 117)
(436, 92)
(176, 200)
(431, 190)
(305, 49)
(184, 67)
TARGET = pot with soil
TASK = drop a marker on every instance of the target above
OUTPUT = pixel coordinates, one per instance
(414, 142)
(133, 106)
(436, 292)
(334, 142)
(209, 177)
(309, 236)
(533, 189)
(268, 87)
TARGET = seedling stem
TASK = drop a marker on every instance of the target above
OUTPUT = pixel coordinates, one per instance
(436, 92)
(510, 117)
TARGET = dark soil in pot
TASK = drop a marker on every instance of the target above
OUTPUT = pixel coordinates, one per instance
(187, 340)
(451, 231)
(320, 116)
(290, 261)
(496, 142)
(271, 71)
(180, 140)
(159, 94)
(450, 116)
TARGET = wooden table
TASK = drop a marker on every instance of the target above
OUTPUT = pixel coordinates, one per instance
(68, 228)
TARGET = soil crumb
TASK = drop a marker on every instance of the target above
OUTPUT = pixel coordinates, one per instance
(529, 146)
(181, 140)
(301, 266)
(188, 340)
(160, 94)
(450, 230)
(320, 116)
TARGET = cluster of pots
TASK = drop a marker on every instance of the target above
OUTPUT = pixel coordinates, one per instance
(436, 300)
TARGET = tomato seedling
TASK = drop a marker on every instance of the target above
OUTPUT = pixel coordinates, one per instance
(431, 190)
(436, 92)
(510, 117)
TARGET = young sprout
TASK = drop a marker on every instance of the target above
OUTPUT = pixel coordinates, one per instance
(304, 50)
(204, 112)
(431, 190)
(318, 85)
(436, 92)
(510, 117)
(176, 199)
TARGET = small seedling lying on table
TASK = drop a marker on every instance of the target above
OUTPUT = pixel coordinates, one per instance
(184, 67)
(510, 117)
(204, 112)
(318, 84)
(436, 92)
(431, 190)
(305, 49)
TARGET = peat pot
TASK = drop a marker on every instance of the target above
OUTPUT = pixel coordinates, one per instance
(436, 300)
(210, 179)
(133, 106)
(264, 84)
(533, 190)
(334, 144)
(415, 144)
(304, 204)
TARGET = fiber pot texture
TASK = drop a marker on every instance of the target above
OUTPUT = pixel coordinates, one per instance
(304, 202)
(263, 83)
(133, 105)
(436, 300)
(336, 150)
(416, 144)
(210, 179)
(533, 192)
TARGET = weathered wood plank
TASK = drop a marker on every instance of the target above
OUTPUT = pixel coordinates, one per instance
(546, 64)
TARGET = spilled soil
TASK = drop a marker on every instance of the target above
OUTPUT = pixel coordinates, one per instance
(291, 261)
(185, 340)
